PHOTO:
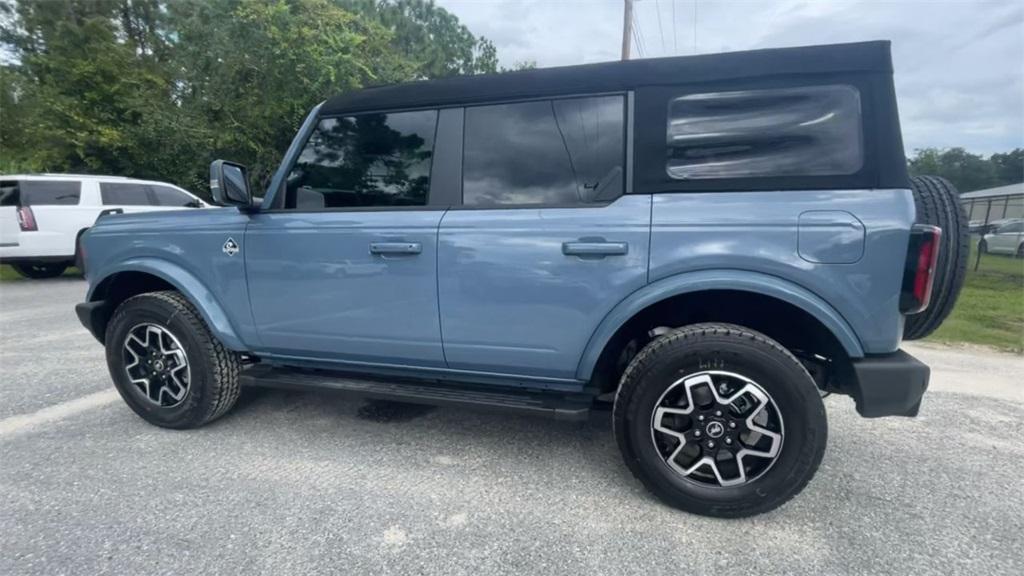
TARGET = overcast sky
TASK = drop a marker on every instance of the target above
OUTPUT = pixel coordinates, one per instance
(959, 65)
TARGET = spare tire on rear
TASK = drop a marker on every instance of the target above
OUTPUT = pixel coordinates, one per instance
(938, 204)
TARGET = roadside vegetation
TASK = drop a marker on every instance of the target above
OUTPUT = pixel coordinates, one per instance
(159, 88)
(990, 310)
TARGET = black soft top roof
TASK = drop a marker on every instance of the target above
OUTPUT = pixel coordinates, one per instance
(618, 76)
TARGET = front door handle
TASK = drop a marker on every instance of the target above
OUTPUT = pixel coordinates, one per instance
(595, 249)
(395, 248)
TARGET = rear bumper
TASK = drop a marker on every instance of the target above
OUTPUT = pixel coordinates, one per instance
(889, 384)
(94, 316)
(38, 245)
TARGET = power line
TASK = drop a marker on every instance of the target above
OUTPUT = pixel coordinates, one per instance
(641, 39)
(675, 37)
(694, 26)
(627, 26)
(661, 31)
(636, 42)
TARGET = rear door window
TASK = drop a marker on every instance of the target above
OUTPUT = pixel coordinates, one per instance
(49, 192)
(125, 194)
(552, 152)
(167, 196)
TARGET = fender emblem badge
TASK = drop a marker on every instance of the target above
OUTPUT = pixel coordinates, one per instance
(231, 247)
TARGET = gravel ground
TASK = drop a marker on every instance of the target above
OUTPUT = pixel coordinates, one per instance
(316, 483)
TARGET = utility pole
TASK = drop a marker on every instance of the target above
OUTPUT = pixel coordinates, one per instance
(627, 26)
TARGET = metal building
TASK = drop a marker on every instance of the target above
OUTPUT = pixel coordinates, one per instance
(984, 207)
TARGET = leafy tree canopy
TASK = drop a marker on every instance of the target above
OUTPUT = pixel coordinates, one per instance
(159, 88)
(969, 172)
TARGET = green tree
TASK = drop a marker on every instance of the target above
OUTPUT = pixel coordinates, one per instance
(429, 37)
(77, 89)
(968, 171)
(965, 170)
(1008, 166)
(159, 88)
(251, 70)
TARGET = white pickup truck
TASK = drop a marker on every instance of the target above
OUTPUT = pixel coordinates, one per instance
(42, 216)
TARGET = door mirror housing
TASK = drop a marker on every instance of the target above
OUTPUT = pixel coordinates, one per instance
(229, 184)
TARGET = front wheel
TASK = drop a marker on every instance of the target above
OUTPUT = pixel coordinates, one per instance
(720, 420)
(983, 247)
(166, 364)
(40, 270)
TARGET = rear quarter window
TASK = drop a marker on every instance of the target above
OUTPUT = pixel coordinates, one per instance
(167, 196)
(49, 192)
(799, 131)
(125, 194)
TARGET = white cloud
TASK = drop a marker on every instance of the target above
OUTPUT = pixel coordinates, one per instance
(959, 65)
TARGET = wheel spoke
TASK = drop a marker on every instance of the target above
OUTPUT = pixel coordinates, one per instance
(156, 364)
(737, 405)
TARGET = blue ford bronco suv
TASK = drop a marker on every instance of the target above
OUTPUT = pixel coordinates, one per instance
(709, 243)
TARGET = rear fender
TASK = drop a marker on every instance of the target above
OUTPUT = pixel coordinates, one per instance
(186, 283)
(704, 280)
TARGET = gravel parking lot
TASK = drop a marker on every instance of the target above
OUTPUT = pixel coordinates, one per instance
(318, 483)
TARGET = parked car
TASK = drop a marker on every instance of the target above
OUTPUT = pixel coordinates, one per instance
(1006, 238)
(713, 241)
(43, 216)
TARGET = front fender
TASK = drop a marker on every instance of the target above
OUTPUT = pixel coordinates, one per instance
(186, 283)
(716, 280)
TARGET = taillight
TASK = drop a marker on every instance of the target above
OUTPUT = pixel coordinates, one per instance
(26, 219)
(919, 271)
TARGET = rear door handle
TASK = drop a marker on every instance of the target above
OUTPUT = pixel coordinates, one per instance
(595, 248)
(395, 248)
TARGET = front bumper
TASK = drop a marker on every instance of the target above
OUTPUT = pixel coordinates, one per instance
(889, 384)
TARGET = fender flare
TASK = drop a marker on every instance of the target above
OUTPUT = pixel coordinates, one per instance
(735, 280)
(189, 285)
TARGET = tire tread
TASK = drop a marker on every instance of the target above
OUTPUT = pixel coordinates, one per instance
(631, 381)
(223, 385)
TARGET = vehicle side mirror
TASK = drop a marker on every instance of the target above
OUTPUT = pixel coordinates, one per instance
(229, 184)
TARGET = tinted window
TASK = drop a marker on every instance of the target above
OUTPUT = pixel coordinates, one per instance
(1010, 228)
(9, 193)
(560, 152)
(167, 196)
(45, 193)
(806, 131)
(365, 160)
(125, 194)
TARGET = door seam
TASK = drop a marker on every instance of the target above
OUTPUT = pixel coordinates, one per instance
(437, 284)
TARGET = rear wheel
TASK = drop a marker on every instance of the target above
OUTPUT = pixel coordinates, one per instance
(719, 420)
(40, 270)
(938, 204)
(166, 364)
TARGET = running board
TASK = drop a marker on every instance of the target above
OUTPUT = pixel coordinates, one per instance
(558, 405)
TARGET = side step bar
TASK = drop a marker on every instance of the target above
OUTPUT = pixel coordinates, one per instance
(558, 405)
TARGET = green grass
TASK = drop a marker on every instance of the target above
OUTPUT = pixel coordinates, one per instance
(990, 310)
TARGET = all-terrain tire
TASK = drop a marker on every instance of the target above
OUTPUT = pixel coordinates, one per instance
(723, 348)
(40, 270)
(213, 383)
(938, 204)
